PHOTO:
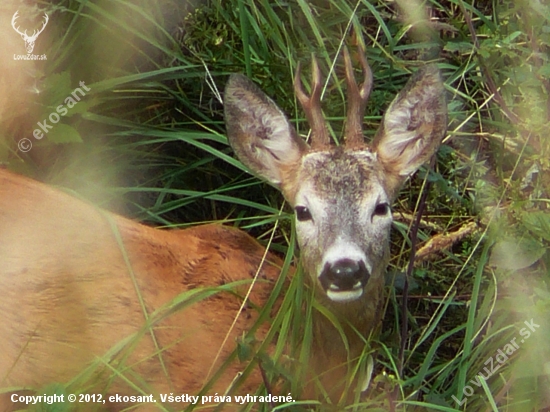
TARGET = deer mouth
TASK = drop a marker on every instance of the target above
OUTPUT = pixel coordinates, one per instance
(338, 295)
(344, 280)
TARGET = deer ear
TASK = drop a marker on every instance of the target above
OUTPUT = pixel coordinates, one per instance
(258, 131)
(414, 124)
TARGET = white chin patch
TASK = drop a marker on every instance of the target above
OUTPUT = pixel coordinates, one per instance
(344, 295)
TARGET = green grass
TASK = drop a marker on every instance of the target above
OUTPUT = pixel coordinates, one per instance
(148, 141)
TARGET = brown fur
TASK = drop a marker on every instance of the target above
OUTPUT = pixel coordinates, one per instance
(68, 295)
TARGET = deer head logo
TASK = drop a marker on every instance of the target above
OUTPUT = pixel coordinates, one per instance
(29, 40)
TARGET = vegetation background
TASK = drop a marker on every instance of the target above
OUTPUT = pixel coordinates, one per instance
(148, 141)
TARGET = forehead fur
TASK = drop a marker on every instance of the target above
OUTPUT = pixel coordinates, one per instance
(344, 174)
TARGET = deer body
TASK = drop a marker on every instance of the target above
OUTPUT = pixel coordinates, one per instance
(69, 297)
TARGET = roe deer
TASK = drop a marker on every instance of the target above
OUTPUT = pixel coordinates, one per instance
(341, 195)
(76, 281)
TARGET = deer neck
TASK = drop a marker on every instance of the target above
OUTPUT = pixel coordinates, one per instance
(357, 320)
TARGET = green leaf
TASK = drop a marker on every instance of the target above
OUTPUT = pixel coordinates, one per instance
(515, 254)
(63, 133)
(538, 223)
(544, 70)
(461, 47)
(57, 87)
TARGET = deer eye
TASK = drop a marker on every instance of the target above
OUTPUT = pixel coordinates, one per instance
(381, 209)
(302, 213)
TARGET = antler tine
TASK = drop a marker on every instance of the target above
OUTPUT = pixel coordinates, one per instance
(357, 98)
(312, 106)
(13, 22)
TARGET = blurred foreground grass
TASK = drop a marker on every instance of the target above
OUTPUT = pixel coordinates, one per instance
(148, 141)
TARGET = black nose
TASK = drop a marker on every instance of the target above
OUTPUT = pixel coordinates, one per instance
(345, 274)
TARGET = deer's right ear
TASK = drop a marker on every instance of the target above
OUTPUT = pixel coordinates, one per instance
(258, 131)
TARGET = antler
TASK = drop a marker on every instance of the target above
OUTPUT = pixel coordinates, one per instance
(312, 106)
(15, 16)
(36, 33)
(357, 98)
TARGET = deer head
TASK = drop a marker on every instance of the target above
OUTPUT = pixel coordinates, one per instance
(29, 40)
(341, 195)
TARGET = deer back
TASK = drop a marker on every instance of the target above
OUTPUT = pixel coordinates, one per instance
(69, 298)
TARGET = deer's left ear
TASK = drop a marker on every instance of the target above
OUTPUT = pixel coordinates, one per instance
(413, 125)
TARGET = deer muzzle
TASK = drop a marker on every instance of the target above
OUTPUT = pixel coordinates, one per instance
(345, 279)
